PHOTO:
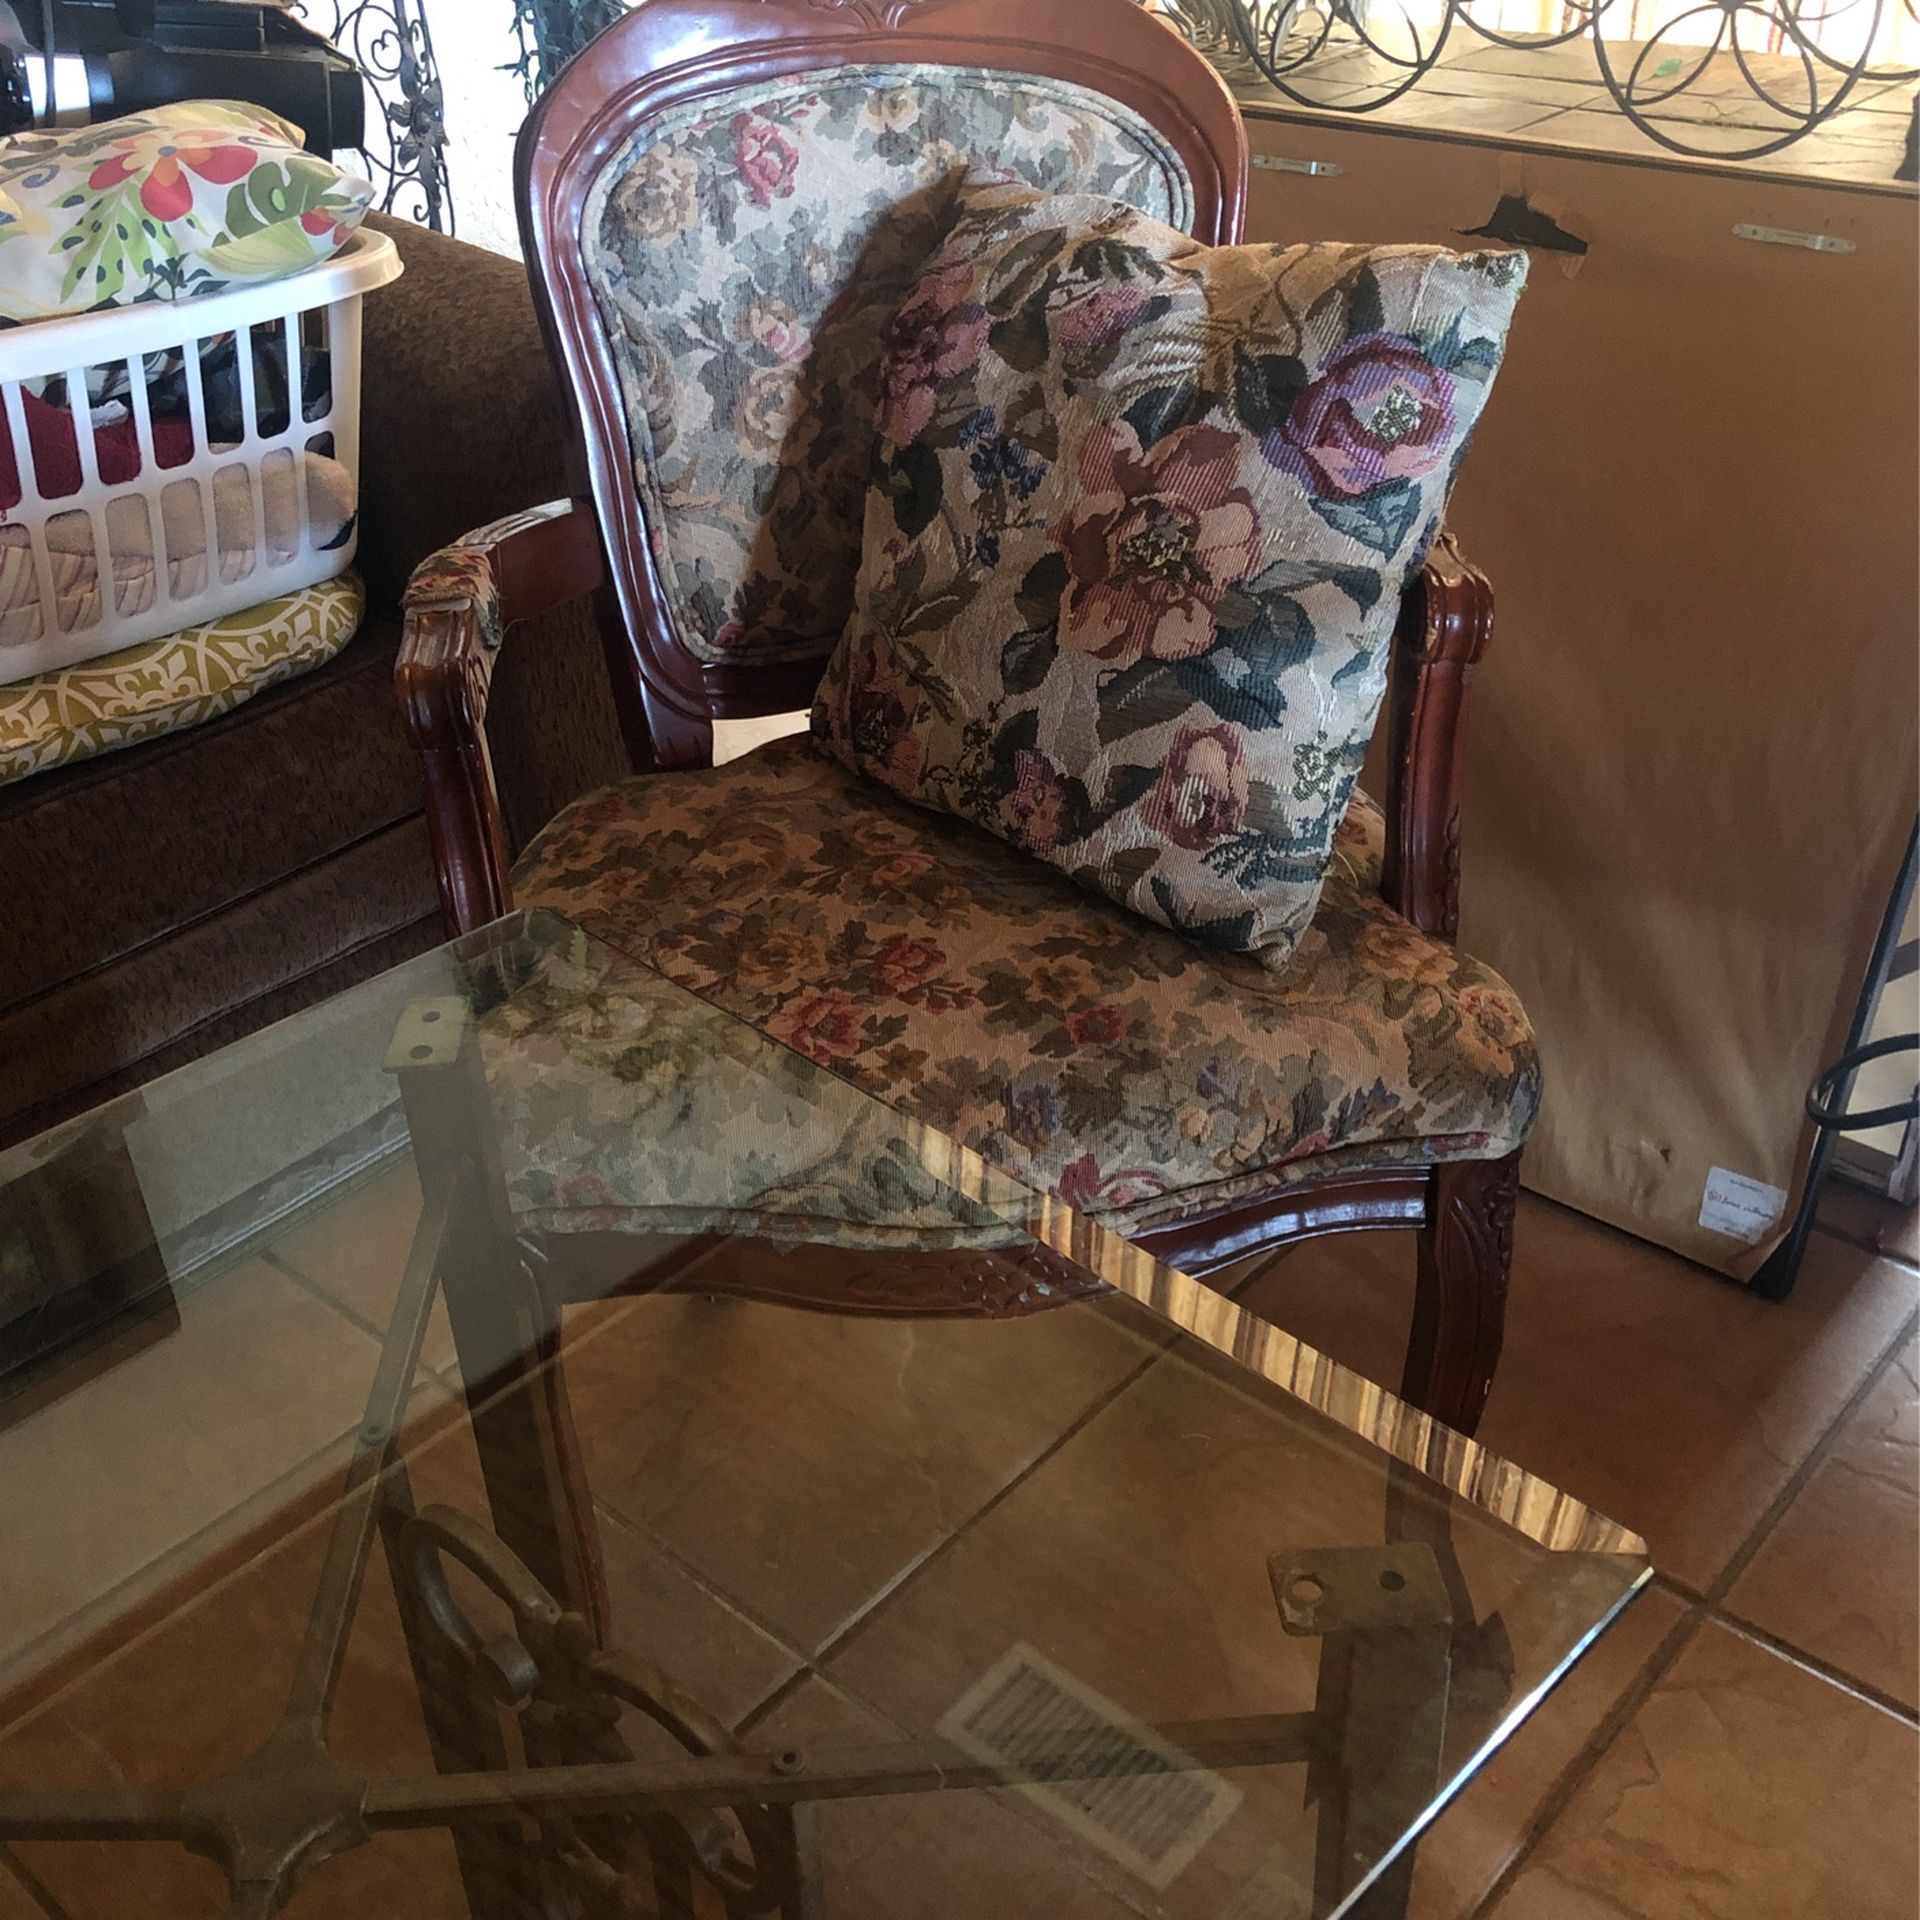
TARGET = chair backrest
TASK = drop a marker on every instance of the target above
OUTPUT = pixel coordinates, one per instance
(723, 201)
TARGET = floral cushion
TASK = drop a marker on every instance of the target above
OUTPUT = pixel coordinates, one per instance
(1134, 1072)
(745, 251)
(1141, 516)
(186, 199)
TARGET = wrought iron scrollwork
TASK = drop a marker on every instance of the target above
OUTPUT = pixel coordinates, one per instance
(1294, 45)
(551, 32)
(568, 1693)
(406, 149)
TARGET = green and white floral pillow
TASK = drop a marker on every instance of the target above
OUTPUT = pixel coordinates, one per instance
(1141, 517)
(188, 199)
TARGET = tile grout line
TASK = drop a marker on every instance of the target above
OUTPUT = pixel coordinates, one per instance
(36, 1889)
(836, 1643)
(1703, 1608)
(811, 1664)
(697, 1577)
(1891, 1254)
(1821, 1668)
(1575, 1774)
(1743, 1555)
(814, 1665)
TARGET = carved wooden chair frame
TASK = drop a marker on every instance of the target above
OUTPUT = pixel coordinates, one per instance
(667, 52)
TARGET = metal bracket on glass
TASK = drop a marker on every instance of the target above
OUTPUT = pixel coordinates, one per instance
(1385, 1623)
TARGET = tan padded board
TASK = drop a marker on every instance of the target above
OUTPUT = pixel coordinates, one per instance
(1692, 767)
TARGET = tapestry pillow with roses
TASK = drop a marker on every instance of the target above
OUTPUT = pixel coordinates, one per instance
(186, 199)
(1141, 515)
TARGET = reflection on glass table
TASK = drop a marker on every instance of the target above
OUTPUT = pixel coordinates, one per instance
(447, 1510)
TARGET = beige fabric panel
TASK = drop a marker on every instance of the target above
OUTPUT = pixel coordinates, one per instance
(1692, 763)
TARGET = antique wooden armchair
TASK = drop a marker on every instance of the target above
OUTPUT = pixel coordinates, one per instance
(695, 192)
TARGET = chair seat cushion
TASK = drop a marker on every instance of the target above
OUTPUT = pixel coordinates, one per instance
(1139, 1075)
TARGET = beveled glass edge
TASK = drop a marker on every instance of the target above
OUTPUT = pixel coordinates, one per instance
(1465, 1468)
(1518, 1713)
(1521, 1500)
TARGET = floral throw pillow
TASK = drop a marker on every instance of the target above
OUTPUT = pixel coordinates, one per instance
(186, 199)
(1141, 515)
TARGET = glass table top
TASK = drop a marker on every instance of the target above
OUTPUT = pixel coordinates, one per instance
(514, 1441)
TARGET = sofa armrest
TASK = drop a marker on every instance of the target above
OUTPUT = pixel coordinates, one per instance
(458, 609)
(1445, 625)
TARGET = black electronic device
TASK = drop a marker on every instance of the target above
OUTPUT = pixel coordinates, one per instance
(71, 62)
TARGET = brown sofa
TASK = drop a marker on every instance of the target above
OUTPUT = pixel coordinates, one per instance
(167, 899)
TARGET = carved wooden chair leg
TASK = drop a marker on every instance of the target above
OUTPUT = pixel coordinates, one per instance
(1460, 1306)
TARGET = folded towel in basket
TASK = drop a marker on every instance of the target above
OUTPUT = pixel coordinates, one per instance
(130, 540)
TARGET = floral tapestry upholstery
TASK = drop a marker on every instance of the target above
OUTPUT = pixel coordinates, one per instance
(1137, 1074)
(1141, 516)
(612, 1089)
(745, 252)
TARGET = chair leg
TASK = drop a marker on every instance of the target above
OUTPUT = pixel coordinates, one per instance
(1460, 1307)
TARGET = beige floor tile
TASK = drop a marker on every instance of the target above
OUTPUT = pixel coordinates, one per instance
(15, 1902)
(942, 1856)
(801, 1461)
(198, 1693)
(1745, 1788)
(182, 1435)
(401, 1876)
(173, 1884)
(1470, 1845)
(1673, 1401)
(1571, 60)
(1870, 1220)
(1135, 1561)
(355, 1250)
(664, 1616)
(1837, 1576)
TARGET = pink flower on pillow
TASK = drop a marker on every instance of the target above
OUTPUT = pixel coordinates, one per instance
(1201, 795)
(1154, 543)
(1099, 317)
(1380, 410)
(1038, 803)
(880, 724)
(766, 158)
(938, 333)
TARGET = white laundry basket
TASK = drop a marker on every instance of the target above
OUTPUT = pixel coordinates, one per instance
(228, 507)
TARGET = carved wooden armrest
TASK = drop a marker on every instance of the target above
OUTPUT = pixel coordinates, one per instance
(458, 607)
(1446, 621)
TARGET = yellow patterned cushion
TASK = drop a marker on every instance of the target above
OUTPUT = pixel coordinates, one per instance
(179, 681)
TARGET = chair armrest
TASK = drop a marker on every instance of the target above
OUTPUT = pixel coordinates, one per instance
(458, 608)
(1445, 624)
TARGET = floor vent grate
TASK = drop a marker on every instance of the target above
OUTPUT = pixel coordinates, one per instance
(1138, 1799)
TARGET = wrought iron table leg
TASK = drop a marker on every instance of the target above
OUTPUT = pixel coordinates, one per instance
(506, 1330)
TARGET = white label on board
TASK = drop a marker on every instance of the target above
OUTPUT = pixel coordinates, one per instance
(1744, 1210)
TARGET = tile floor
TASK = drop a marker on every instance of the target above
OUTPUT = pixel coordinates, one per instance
(1741, 1746)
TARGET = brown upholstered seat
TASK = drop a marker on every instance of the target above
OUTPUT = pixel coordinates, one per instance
(1139, 1074)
